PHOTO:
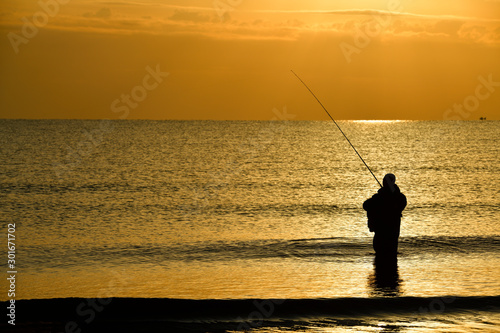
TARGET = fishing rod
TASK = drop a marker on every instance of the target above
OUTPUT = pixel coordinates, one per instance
(345, 136)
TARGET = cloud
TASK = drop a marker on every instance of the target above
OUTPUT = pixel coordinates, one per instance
(448, 27)
(480, 34)
(474, 32)
(418, 27)
(103, 13)
(376, 12)
(189, 16)
(162, 19)
(364, 12)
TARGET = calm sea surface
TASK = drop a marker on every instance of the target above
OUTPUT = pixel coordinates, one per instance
(239, 210)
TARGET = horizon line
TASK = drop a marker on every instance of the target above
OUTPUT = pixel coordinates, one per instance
(178, 119)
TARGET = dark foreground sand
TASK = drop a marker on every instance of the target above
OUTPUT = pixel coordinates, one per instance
(74, 315)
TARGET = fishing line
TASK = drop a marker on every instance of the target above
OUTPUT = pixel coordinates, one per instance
(345, 136)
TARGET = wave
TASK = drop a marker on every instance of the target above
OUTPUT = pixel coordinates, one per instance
(319, 249)
(176, 309)
(238, 314)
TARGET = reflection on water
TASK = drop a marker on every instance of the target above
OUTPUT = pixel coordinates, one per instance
(385, 280)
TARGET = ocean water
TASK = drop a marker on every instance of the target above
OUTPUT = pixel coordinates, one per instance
(242, 210)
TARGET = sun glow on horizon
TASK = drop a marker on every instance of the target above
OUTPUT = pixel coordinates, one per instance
(379, 121)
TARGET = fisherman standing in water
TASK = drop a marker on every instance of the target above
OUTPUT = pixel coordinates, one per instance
(383, 209)
(384, 217)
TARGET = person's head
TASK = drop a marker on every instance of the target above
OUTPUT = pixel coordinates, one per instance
(389, 181)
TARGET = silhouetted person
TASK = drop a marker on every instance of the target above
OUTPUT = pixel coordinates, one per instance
(384, 217)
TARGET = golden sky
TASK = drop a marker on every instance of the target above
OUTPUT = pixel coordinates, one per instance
(231, 59)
